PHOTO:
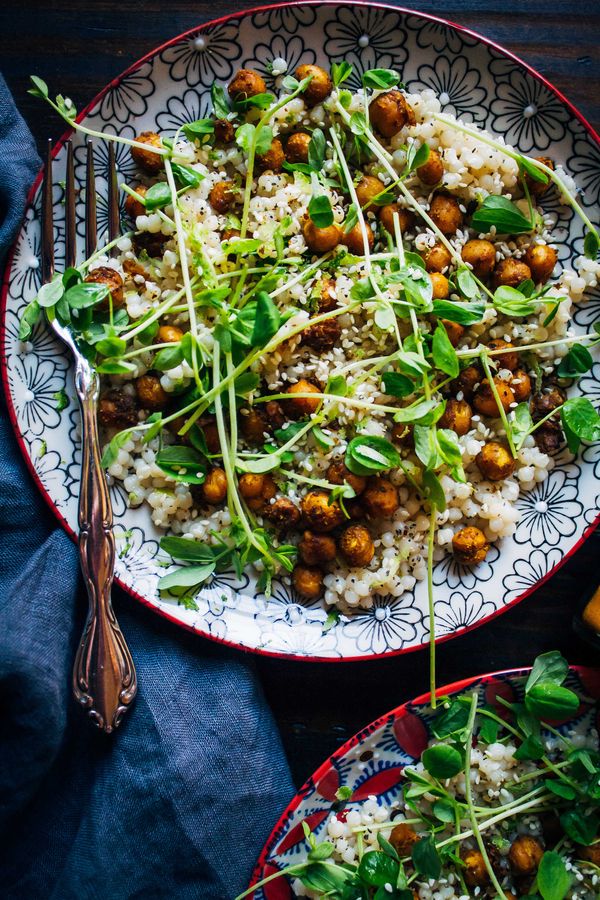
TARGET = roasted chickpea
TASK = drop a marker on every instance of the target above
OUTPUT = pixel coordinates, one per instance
(211, 435)
(327, 297)
(222, 196)
(380, 498)
(214, 488)
(549, 399)
(283, 513)
(321, 240)
(132, 267)
(549, 437)
(405, 216)
(251, 485)
(315, 549)
(320, 512)
(133, 207)
(403, 434)
(470, 546)
(390, 112)
(297, 407)
(224, 131)
(441, 286)
(541, 259)
(446, 213)
(525, 855)
(339, 473)
(511, 272)
(367, 188)
(320, 85)
(402, 839)
(148, 160)
(506, 360)
(475, 871)
(356, 545)
(432, 171)
(274, 414)
(520, 385)
(355, 239)
(454, 330)
(267, 492)
(273, 159)
(296, 148)
(117, 409)
(150, 392)
(169, 334)
(539, 188)
(322, 335)
(481, 256)
(467, 381)
(436, 258)
(308, 581)
(254, 426)
(457, 416)
(494, 461)
(484, 401)
(246, 83)
(113, 281)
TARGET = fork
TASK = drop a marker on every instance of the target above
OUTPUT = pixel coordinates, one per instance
(104, 677)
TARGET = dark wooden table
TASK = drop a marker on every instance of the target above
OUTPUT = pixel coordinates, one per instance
(79, 46)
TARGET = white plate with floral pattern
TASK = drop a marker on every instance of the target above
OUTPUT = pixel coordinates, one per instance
(475, 80)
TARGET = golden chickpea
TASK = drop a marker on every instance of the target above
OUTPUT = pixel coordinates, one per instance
(511, 272)
(467, 381)
(322, 335)
(441, 286)
(541, 259)
(224, 131)
(539, 188)
(457, 416)
(283, 513)
(475, 871)
(355, 239)
(254, 426)
(470, 546)
(308, 581)
(520, 385)
(211, 436)
(251, 485)
(148, 160)
(484, 401)
(169, 334)
(315, 549)
(320, 513)
(273, 159)
(454, 330)
(339, 473)
(222, 196)
(405, 217)
(481, 256)
(151, 393)
(246, 83)
(507, 359)
(367, 188)
(432, 171)
(356, 545)
(296, 148)
(214, 489)
(133, 207)
(525, 855)
(298, 407)
(116, 409)
(545, 402)
(267, 492)
(437, 258)
(403, 838)
(380, 498)
(390, 112)
(445, 213)
(318, 88)
(321, 240)
(132, 267)
(494, 461)
(274, 414)
(113, 281)
(327, 297)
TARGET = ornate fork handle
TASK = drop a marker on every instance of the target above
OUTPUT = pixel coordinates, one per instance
(104, 677)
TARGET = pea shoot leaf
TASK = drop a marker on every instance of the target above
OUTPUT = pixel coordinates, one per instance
(220, 101)
(264, 138)
(591, 244)
(443, 353)
(340, 72)
(580, 421)
(463, 313)
(529, 167)
(501, 213)
(157, 196)
(186, 576)
(577, 362)
(426, 858)
(320, 211)
(267, 321)
(366, 454)
(553, 880)
(511, 302)
(316, 150)
(548, 667)
(380, 79)
(198, 129)
(29, 317)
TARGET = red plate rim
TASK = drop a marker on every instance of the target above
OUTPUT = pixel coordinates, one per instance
(397, 713)
(4, 299)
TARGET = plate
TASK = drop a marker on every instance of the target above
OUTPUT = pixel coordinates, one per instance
(371, 764)
(477, 81)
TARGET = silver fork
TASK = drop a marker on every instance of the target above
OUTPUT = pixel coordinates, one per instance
(104, 677)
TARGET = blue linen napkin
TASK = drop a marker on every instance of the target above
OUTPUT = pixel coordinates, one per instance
(177, 803)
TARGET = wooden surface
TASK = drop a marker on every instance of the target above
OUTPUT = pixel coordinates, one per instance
(78, 46)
